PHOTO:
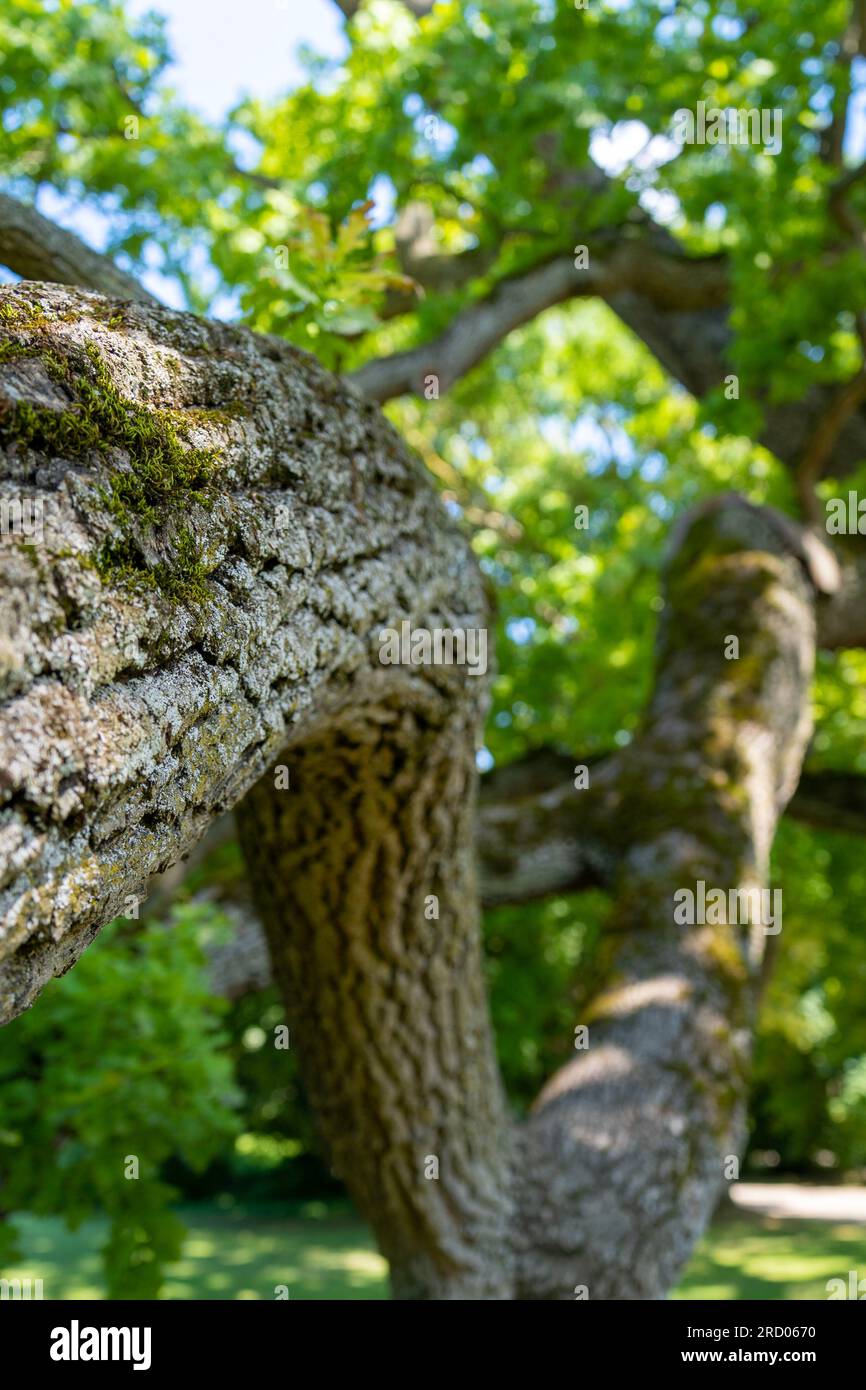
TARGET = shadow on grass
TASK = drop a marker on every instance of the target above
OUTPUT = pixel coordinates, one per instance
(747, 1257)
(321, 1253)
(226, 1255)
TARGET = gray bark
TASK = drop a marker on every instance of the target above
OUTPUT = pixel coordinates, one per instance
(669, 282)
(135, 712)
(621, 1162)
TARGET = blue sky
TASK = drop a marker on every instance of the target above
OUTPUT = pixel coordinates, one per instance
(225, 49)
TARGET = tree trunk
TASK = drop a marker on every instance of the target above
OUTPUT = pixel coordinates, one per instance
(365, 877)
(225, 531)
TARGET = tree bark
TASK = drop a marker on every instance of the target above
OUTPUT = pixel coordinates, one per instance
(365, 878)
(160, 647)
(621, 1162)
(534, 836)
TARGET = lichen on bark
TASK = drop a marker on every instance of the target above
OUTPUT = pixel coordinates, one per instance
(622, 1160)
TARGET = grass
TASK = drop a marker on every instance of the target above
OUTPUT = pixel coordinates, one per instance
(227, 1255)
(746, 1257)
(329, 1254)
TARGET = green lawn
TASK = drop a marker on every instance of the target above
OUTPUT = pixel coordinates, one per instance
(321, 1254)
(763, 1257)
(227, 1254)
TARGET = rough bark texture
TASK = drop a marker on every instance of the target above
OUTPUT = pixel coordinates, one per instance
(534, 835)
(158, 651)
(621, 1162)
(388, 1000)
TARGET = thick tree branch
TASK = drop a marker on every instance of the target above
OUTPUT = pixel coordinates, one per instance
(819, 447)
(535, 835)
(224, 531)
(134, 712)
(678, 306)
(622, 1159)
(365, 881)
(36, 249)
(667, 281)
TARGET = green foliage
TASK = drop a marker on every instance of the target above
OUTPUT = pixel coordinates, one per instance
(467, 109)
(810, 1100)
(539, 964)
(277, 1156)
(122, 1058)
(319, 289)
(575, 413)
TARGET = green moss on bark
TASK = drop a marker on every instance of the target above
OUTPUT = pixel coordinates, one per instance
(157, 481)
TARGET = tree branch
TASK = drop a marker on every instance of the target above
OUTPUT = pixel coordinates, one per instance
(677, 305)
(819, 448)
(666, 280)
(36, 249)
(419, 258)
(535, 836)
(620, 1163)
(156, 658)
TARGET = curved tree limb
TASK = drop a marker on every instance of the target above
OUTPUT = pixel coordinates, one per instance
(163, 647)
(225, 530)
(366, 885)
(676, 305)
(621, 1161)
(679, 306)
(134, 712)
(37, 249)
(669, 281)
(639, 1130)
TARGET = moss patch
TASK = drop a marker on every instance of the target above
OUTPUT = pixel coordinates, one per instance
(157, 482)
(24, 314)
(10, 351)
